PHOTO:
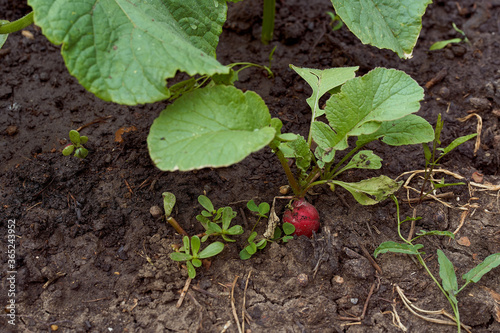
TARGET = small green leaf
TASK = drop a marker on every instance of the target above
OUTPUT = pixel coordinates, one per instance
(81, 152)
(427, 152)
(288, 228)
(364, 159)
(226, 238)
(371, 191)
(447, 273)
(196, 262)
(74, 136)
(457, 142)
(244, 255)
(252, 206)
(235, 230)
(178, 256)
(203, 220)
(262, 244)
(207, 204)
(209, 127)
(211, 250)
(264, 208)
(195, 245)
(214, 228)
(286, 239)
(168, 203)
(442, 44)
(185, 241)
(251, 248)
(83, 139)
(191, 269)
(287, 137)
(3, 37)
(227, 216)
(397, 248)
(321, 81)
(206, 214)
(277, 233)
(487, 265)
(435, 232)
(227, 79)
(68, 150)
(252, 236)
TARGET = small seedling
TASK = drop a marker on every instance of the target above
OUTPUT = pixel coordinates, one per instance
(251, 249)
(336, 22)
(446, 270)
(217, 222)
(191, 254)
(442, 44)
(261, 210)
(76, 145)
(432, 158)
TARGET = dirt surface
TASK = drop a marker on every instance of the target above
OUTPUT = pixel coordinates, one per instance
(91, 258)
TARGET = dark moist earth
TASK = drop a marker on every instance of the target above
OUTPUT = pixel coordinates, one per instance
(91, 258)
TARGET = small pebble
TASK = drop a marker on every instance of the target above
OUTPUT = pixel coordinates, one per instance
(156, 212)
(480, 103)
(302, 280)
(444, 92)
(11, 130)
(284, 189)
(354, 300)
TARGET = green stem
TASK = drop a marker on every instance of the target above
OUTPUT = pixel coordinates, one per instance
(268, 21)
(291, 179)
(17, 25)
(333, 173)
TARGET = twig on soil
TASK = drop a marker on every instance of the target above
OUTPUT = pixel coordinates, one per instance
(370, 258)
(50, 281)
(244, 302)
(436, 79)
(413, 309)
(183, 293)
(198, 289)
(95, 121)
(234, 307)
(462, 221)
(96, 300)
(479, 129)
(365, 307)
(128, 186)
(224, 329)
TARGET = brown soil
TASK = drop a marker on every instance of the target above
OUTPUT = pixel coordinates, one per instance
(91, 258)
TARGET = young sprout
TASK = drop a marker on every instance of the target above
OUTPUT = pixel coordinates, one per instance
(191, 254)
(76, 145)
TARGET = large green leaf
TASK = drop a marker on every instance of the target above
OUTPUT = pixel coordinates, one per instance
(409, 130)
(371, 191)
(209, 127)
(124, 50)
(323, 80)
(364, 103)
(386, 24)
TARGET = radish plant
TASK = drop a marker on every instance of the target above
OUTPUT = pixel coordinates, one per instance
(230, 124)
(76, 145)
